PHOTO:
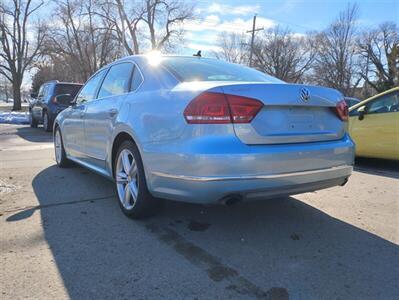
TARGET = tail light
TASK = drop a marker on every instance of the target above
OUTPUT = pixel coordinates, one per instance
(341, 110)
(218, 108)
(54, 100)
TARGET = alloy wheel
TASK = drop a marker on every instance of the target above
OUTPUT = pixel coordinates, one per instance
(127, 179)
(58, 146)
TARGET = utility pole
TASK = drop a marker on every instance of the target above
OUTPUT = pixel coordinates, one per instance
(253, 38)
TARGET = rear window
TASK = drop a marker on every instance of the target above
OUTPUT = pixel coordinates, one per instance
(203, 69)
(71, 89)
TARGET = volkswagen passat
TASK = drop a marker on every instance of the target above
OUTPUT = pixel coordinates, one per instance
(205, 131)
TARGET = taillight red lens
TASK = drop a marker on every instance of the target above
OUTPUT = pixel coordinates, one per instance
(54, 100)
(208, 108)
(342, 110)
(243, 109)
(218, 108)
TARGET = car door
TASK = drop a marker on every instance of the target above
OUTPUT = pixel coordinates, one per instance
(102, 113)
(376, 133)
(37, 107)
(73, 124)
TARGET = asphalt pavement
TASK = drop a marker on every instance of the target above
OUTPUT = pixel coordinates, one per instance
(63, 236)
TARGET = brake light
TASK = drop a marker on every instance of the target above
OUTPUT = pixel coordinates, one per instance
(54, 100)
(341, 110)
(218, 108)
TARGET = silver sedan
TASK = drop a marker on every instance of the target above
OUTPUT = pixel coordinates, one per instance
(202, 130)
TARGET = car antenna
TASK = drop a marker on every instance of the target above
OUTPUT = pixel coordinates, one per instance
(198, 54)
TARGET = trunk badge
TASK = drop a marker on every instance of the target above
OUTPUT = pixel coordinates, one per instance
(305, 95)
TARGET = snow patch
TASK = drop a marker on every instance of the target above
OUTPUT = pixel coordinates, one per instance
(14, 117)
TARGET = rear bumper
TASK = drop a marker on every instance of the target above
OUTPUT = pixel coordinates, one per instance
(250, 172)
(214, 189)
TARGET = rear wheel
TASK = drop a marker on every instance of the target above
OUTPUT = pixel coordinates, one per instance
(46, 122)
(60, 156)
(134, 198)
(32, 121)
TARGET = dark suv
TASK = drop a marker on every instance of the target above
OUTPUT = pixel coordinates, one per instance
(49, 104)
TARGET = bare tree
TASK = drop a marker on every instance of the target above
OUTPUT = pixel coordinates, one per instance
(5, 88)
(146, 24)
(336, 64)
(164, 19)
(233, 48)
(380, 51)
(18, 53)
(284, 55)
(83, 41)
(123, 19)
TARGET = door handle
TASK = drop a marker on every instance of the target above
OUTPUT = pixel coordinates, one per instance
(112, 112)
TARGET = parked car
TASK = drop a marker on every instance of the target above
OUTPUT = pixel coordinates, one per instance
(204, 131)
(47, 105)
(374, 125)
(350, 101)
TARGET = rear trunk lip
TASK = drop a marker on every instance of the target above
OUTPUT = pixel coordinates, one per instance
(347, 168)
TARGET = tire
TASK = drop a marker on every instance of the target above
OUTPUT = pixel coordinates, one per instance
(32, 121)
(59, 150)
(46, 122)
(130, 178)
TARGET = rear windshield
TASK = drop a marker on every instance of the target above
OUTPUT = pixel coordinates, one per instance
(71, 89)
(202, 69)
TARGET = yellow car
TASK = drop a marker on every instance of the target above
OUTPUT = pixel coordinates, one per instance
(374, 125)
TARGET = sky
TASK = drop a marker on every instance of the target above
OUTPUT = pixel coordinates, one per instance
(300, 16)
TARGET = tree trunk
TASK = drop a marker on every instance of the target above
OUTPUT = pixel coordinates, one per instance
(16, 88)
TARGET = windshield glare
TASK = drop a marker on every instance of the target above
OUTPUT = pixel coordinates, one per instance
(202, 69)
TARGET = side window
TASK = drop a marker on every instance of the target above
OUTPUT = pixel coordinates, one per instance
(116, 81)
(43, 92)
(395, 105)
(137, 79)
(88, 92)
(383, 104)
(354, 112)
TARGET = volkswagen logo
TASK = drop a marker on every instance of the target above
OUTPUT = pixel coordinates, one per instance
(305, 95)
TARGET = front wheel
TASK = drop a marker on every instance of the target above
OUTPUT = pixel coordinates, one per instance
(60, 156)
(134, 198)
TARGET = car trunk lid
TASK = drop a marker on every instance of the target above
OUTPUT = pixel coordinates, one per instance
(292, 113)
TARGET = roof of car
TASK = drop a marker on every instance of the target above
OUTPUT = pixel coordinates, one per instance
(63, 82)
(373, 97)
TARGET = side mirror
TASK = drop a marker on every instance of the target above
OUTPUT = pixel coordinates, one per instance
(33, 95)
(65, 99)
(361, 111)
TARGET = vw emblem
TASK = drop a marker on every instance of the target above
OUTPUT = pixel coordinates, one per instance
(305, 95)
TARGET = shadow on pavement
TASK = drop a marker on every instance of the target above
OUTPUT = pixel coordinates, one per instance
(37, 135)
(275, 243)
(381, 167)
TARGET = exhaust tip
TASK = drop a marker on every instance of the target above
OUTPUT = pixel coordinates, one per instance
(230, 200)
(345, 181)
